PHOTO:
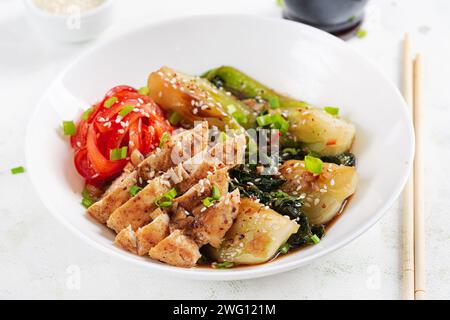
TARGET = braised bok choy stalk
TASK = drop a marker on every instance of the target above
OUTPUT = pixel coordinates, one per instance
(315, 129)
(196, 99)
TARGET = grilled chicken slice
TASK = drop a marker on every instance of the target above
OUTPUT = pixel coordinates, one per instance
(212, 223)
(194, 140)
(114, 198)
(194, 196)
(324, 193)
(136, 211)
(177, 249)
(174, 151)
(141, 241)
(127, 240)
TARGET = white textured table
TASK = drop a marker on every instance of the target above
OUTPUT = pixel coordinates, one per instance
(40, 259)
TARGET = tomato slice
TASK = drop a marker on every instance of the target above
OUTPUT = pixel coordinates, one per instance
(99, 162)
(105, 130)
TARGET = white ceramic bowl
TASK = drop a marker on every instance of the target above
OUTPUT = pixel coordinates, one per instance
(290, 57)
(76, 27)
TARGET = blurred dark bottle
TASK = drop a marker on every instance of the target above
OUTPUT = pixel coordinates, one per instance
(339, 17)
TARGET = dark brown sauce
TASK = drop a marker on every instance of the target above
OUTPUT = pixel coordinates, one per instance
(279, 255)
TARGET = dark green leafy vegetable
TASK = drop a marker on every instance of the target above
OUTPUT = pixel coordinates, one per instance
(347, 159)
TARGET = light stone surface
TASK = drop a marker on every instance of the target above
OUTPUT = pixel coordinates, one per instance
(39, 258)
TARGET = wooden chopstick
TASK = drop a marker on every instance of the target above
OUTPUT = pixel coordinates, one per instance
(419, 212)
(408, 193)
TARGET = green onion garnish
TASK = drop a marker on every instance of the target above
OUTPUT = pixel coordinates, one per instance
(165, 137)
(264, 120)
(134, 190)
(69, 128)
(175, 118)
(108, 103)
(86, 114)
(222, 265)
(166, 199)
(144, 91)
(164, 204)
(285, 248)
(280, 123)
(118, 154)
(279, 3)
(87, 201)
(18, 170)
(332, 110)
(313, 164)
(276, 120)
(126, 110)
(208, 201)
(274, 102)
(315, 239)
(361, 33)
(215, 192)
(171, 194)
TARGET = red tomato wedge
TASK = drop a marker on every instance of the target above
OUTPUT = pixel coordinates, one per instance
(125, 120)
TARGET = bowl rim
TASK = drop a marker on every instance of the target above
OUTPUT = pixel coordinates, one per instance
(35, 9)
(249, 272)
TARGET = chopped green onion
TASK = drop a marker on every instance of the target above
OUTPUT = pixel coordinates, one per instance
(274, 102)
(108, 103)
(175, 118)
(86, 114)
(165, 137)
(279, 3)
(171, 194)
(118, 154)
(332, 110)
(144, 91)
(208, 201)
(313, 164)
(280, 123)
(164, 204)
(87, 201)
(275, 119)
(215, 192)
(18, 170)
(361, 33)
(285, 248)
(166, 199)
(264, 120)
(134, 190)
(315, 239)
(69, 128)
(126, 110)
(223, 265)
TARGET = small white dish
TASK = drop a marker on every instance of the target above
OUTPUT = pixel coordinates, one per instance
(290, 57)
(74, 27)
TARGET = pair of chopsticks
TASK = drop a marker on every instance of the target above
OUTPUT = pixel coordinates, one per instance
(413, 206)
